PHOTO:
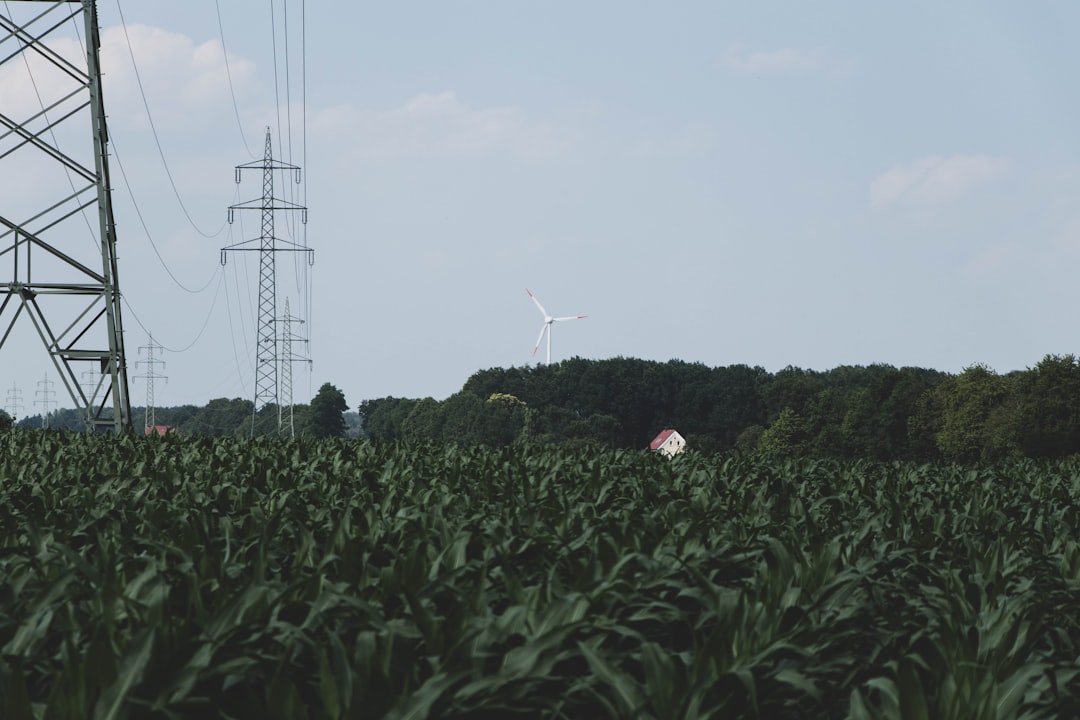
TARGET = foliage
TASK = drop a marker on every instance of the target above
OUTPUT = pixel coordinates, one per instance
(786, 437)
(506, 419)
(624, 402)
(382, 418)
(326, 415)
(62, 419)
(875, 412)
(220, 417)
(971, 405)
(1048, 408)
(209, 577)
(846, 412)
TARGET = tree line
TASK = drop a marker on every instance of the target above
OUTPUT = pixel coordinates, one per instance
(324, 416)
(875, 411)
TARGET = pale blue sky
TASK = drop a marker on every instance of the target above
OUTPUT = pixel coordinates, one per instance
(812, 184)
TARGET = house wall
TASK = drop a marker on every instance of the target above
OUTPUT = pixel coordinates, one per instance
(673, 445)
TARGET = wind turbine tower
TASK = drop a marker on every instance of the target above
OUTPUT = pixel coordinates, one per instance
(545, 329)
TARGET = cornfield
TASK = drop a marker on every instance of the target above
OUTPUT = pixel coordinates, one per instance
(198, 578)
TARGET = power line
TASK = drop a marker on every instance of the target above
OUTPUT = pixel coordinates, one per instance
(142, 221)
(202, 329)
(277, 81)
(232, 338)
(246, 290)
(288, 78)
(153, 130)
(228, 72)
(285, 144)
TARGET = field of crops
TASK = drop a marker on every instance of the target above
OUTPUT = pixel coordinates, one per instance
(195, 577)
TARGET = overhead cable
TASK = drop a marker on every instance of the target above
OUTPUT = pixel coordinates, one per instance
(153, 129)
(142, 221)
(198, 336)
(228, 72)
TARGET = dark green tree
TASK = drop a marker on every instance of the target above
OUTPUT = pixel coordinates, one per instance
(220, 417)
(972, 422)
(793, 388)
(505, 419)
(1047, 417)
(878, 402)
(425, 422)
(326, 414)
(786, 437)
(463, 420)
(264, 423)
(382, 418)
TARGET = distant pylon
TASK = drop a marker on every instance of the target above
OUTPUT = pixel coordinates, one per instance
(266, 355)
(91, 379)
(46, 399)
(151, 374)
(13, 404)
(286, 427)
(74, 308)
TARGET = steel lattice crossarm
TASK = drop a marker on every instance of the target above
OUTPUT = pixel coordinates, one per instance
(267, 389)
(56, 214)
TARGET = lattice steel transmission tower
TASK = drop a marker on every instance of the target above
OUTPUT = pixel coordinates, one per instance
(151, 374)
(13, 404)
(286, 427)
(45, 395)
(266, 354)
(56, 213)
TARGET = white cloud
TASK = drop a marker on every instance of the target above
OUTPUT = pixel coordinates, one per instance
(935, 179)
(783, 60)
(437, 124)
(182, 79)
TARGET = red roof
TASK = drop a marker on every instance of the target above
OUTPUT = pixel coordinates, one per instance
(159, 430)
(660, 439)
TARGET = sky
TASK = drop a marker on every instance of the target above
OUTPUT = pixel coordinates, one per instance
(770, 184)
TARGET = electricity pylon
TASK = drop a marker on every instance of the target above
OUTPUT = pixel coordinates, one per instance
(45, 400)
(14, 405)
(151, 362)
(56, 213)
(266, 355)
(286, 427)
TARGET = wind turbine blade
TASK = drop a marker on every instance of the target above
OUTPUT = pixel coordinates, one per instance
(570, 317)
(538, 305)
(543, 329)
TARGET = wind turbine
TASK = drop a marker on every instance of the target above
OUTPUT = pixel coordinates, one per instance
(546, 328)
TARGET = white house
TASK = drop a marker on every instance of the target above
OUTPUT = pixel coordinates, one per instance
(669, 442)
